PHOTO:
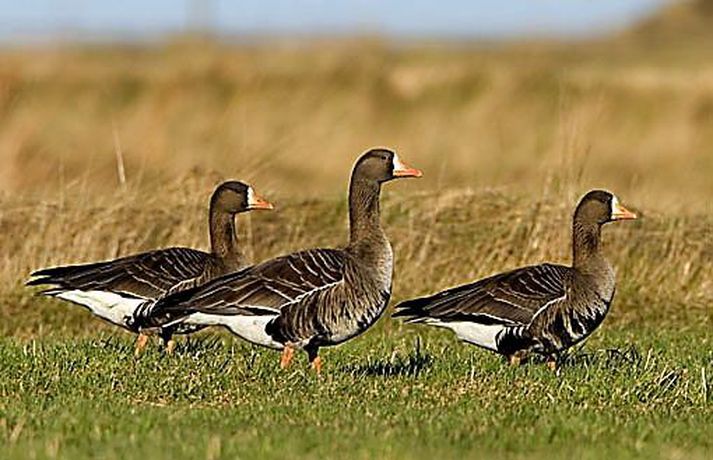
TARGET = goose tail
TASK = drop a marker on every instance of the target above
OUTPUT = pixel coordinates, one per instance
(412, 311)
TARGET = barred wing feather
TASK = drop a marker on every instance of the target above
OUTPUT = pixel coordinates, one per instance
(148, 275)
(511, 298)
(262, 289)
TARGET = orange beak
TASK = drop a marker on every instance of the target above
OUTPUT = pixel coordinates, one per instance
(402, 170)
(619, 212)
(255, 201)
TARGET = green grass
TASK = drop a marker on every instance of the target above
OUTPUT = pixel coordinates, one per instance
(398, 392)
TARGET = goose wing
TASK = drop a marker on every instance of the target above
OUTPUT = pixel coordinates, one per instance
(148, 275)
(258, 290)
(511, 298)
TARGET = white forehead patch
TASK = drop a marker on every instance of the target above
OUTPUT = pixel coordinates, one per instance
(251, 195)
(614, 204)
(398, 165)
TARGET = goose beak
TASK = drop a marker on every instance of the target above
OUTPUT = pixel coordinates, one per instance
(255, 201)
(402, 170)
(619, 212)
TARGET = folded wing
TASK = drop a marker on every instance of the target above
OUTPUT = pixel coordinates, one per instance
(263, 289)
(511, 298)
(146, 276)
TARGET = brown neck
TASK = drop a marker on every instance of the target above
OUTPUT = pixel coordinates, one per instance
(586, 237)
(364, 213)
(223, 239)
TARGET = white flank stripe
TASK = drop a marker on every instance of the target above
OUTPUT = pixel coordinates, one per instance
(250, 328)
(481, 335)
(106, 305)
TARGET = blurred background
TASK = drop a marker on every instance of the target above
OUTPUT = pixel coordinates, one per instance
(615, 93)
(117, 119)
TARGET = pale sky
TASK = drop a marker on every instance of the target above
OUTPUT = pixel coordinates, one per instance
(135, 19)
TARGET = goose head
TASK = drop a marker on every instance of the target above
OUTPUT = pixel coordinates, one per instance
(600, 207)
(382, 165)
(234, 197)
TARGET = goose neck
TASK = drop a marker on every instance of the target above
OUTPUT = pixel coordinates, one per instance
(364, 212)
(586, 250)
(223, 237)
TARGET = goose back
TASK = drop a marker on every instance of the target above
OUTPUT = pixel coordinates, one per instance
(147, 276)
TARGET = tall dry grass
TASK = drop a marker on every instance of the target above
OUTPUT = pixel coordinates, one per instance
(293, 117)
(440, 239)
(509, 138)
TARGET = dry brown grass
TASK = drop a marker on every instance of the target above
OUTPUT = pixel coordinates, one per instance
(294, 118)
(508, 138)
(664, 263)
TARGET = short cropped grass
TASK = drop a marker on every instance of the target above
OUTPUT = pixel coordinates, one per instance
(395, 393)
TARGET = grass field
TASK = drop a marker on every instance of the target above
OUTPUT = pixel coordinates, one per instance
(634, 393)
(106, 151)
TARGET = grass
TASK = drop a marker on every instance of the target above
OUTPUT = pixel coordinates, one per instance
(509, 137)
(389, 394)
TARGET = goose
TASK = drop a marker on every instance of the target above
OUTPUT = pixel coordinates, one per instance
(308, 299)
(544, 308)
(114, 289)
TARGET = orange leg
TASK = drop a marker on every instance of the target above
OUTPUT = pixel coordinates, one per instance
(517, 358)
(170, 346)
(168, 343)
(317, 365)
(286, 358)
(314, 360)
(141, 344)
(552, 363)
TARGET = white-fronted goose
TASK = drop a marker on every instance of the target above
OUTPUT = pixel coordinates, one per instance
(114, 289)
(308, 299)
(542, 308)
